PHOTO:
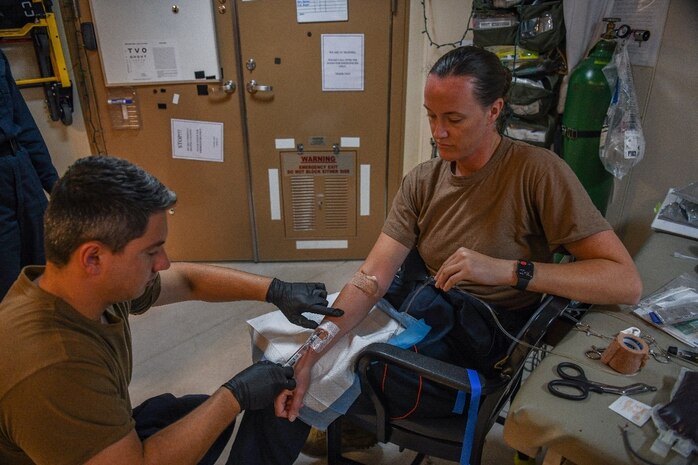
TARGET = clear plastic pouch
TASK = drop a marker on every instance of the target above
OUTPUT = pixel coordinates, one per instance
(512, 53)
(542, 26)
(622, 142)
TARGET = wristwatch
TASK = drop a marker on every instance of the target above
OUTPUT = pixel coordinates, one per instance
(524, 273)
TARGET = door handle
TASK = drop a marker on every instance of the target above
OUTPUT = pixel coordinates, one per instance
(253, 87)
(228, 87)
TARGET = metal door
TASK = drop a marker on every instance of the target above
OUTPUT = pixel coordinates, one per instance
(212, 219)
(319, 158)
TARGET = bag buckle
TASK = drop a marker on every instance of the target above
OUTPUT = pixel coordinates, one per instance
(569, 132)
(575, 134)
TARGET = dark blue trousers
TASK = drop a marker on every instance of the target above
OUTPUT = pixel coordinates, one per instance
(262, 439)
(265, 439)
(161, 411)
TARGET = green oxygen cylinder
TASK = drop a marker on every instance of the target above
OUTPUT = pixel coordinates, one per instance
(588, 98)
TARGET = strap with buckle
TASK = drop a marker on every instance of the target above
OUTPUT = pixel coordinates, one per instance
(574, 134)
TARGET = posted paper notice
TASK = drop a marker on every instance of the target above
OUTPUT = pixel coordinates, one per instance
(315, 11)
(151, 61)
(197, 140)
(342, 62)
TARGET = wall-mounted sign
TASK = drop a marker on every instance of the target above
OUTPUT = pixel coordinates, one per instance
(318, 164)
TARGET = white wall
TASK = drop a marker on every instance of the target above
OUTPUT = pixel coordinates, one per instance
(446, 22)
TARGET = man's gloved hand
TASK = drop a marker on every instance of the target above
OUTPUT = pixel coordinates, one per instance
(295, 298)
(258, 385)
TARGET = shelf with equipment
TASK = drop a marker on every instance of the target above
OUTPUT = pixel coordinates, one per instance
(34, 20)
(528, 37)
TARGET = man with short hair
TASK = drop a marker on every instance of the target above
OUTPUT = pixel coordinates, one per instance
(64, 391)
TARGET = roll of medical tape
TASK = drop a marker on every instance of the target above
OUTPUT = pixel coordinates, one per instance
(626, 354)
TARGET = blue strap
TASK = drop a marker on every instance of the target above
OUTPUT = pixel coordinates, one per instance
(469, 434)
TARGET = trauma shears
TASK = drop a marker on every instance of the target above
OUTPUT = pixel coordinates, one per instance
(574, 385)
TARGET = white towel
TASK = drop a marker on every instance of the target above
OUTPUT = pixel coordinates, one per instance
(333, 374)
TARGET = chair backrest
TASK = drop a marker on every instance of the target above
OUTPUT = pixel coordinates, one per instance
(442, 438)
(531, 335)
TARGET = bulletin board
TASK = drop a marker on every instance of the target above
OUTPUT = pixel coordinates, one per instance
(155, 41)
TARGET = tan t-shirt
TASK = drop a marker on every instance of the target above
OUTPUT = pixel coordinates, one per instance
(63, 378)
(524, 203)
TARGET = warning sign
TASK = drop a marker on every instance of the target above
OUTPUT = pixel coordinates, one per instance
(318, 164)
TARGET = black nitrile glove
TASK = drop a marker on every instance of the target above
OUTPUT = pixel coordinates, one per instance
(257, 386)
(295, 298)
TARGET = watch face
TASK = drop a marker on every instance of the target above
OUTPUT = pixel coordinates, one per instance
(525, 270)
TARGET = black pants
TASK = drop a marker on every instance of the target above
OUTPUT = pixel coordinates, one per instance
(263, 438)
(161, 411)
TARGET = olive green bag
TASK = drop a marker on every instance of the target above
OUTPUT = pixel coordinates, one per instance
(536, 132)
(532, 98)
(541, 27)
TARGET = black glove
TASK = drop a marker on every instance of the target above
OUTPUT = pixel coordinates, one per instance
(295, 298)
(258, 385)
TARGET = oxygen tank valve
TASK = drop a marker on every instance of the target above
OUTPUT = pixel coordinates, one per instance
(621, 32)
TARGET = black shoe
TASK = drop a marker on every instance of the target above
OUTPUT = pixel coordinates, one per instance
(353, 438)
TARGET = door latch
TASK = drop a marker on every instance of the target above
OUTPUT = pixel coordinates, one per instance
(253, 87)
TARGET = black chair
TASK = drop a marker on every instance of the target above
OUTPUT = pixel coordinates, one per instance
(442, 438)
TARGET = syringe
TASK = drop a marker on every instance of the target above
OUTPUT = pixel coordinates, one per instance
(317, 341)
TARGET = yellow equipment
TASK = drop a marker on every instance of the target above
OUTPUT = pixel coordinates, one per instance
(20, 19)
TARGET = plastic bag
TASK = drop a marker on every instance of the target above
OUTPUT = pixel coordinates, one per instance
(622, 143)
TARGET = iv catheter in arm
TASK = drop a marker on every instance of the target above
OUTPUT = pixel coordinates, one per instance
(317, 341)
